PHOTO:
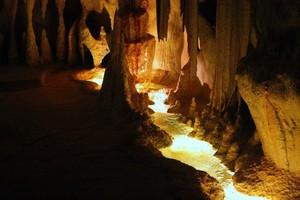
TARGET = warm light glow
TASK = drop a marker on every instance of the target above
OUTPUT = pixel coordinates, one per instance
(196, 153)
(157, 94)
(158, 97)
(200, 155)
(99, 81)
(193, 152)
(185, 143)
(94, 75)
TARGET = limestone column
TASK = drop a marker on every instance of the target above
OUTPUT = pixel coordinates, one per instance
(46, 54)
(61, 33)
(32, 53)
(13, 55)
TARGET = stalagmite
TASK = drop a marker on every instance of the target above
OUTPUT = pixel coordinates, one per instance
(118, 91)
(46, 54)
(32, 53)
(13, 55)
(61, 34)
(73, 53)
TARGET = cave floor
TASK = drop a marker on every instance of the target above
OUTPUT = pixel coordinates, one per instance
(56, 142)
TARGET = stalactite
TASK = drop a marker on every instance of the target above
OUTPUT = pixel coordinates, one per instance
(32, 53)
(163, 11)
(167, 52)
(189, 10)
(233, 30)
(13, 55)
(192, 30)
(61, 34)
(207, 55)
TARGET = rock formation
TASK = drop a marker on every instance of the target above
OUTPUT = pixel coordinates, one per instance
(268, 80)
(232, 38)
(32, 53)
(139, 45)
(167, 63)
(97, 45)
(46, 53)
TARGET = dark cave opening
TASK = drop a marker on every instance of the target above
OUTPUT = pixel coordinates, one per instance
(72, 12)
(95, 21)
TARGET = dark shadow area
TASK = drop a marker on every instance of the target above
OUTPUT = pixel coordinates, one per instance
(72, 12)
(4, 50)
(95, 20)
(20, 27)
(88, 61)
(209, 10)
(37, 23)
(51, 25)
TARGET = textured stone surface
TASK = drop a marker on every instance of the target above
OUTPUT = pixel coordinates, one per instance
(99, 46)
(167, 52)
(139, 56)
(274, 106)
(268, 80)
(232, 38)
(135, 25)
(263, 178)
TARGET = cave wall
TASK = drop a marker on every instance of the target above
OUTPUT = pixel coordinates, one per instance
(36, 32)
(268, 80)
(94, 16)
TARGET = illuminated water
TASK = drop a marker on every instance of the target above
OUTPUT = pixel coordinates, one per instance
(196, 153)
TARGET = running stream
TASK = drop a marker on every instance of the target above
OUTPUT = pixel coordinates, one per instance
(193, 152)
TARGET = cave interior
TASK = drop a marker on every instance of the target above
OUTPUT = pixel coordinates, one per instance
(95, 96)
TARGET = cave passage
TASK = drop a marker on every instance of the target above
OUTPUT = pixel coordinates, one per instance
(196, 153)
